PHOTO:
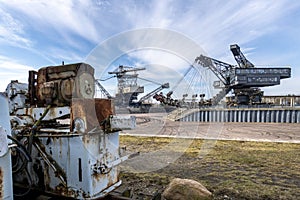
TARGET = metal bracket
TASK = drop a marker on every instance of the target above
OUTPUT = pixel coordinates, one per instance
(117, 123)
(105, 168)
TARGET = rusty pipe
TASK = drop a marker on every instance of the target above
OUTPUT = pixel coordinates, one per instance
(34, 128)
(51, 163)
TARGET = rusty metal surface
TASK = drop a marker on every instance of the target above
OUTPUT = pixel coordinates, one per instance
(77, 156)
(59, 84)
(92, 111)
(72, 156)
(76, 67)
(31, 87)
(104, 108)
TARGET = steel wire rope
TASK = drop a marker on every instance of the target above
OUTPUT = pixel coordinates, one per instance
(197, 82)
(190, 81)
(106, 78)
(149, 81)
(179, 81)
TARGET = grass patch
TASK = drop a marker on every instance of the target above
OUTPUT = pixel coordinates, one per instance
(233, 169)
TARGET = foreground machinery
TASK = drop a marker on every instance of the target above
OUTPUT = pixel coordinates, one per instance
(6, 191)
(66, 142)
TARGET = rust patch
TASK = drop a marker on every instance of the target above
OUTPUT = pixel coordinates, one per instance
(52, 112)
(55, 84)
(92, 111)
(47, 178)
(112, 179)
(104, 108)
(1, 184)
(98, 177)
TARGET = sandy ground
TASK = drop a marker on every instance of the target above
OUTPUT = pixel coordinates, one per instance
(158, 125)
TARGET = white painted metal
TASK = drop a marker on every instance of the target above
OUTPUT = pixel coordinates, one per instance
(5, 159)
(122, 122)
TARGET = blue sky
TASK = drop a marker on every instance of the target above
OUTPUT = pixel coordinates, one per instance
(37, 33)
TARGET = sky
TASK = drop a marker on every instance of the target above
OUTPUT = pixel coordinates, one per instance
(38, 33)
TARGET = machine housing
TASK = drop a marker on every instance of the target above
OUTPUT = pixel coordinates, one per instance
(70, 138)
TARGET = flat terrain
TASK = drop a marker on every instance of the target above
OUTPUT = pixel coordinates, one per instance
(252, 161)
(233, 160)
(157, 125)
(229, 169)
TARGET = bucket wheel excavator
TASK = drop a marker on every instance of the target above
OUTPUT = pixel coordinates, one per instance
(244, 79)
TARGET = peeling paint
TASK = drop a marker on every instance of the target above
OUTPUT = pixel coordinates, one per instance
(59, 84)
(63, 156)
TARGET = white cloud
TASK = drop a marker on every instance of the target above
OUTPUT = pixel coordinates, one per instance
(160, 57)
(215, 26)
(286, 87)
(65, 17)
(212, 25)
(11, 30)
(11, 70)
(64, 55)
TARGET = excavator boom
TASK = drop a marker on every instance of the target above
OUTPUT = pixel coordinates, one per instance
(150, 94)
(239, 57)
(244, 78)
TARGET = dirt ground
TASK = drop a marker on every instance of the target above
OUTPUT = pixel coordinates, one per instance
(157, 125)
(233, 160)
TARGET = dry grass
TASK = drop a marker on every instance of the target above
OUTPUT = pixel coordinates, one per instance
(231, 169)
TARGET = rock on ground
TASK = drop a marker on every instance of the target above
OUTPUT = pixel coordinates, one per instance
(180, 189)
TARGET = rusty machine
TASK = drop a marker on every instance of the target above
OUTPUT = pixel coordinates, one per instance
(66, 142)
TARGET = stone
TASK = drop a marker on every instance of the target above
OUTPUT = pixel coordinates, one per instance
(180, 189)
